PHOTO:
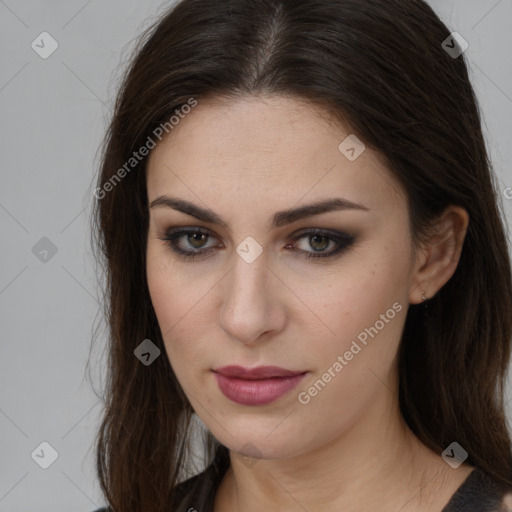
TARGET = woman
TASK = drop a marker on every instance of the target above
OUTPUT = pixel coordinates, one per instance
(303, 250)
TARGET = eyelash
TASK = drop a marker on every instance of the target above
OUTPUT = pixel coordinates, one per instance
(343, 240)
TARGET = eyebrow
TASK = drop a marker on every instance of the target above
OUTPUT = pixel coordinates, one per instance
(280, 218)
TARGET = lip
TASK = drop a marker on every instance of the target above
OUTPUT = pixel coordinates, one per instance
(256, 386)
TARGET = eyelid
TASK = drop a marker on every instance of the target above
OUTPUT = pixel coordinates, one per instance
(328, 232)
(342, 239)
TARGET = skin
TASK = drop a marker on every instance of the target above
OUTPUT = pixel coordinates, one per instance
(348, 448)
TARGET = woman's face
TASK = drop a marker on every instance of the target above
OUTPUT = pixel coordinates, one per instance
(251, 297)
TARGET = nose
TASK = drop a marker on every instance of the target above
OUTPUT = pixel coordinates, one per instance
(251, 303)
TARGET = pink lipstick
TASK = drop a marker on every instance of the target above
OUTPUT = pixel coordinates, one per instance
(256, 386)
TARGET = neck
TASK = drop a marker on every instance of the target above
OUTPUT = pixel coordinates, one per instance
(376, 464)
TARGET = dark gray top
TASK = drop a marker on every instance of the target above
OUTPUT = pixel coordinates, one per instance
(478, 493)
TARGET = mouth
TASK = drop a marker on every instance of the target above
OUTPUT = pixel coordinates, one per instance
(256, 386)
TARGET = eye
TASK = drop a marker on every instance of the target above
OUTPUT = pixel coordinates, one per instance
(191, 243)
(320, 240)
(193, 238)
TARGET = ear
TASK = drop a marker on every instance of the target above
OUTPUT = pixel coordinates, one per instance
(438, 256)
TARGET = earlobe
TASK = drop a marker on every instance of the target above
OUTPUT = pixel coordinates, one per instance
(439, 255)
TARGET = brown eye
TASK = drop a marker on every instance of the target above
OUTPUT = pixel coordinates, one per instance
(197, 239)
(189, 243)
(320, 240)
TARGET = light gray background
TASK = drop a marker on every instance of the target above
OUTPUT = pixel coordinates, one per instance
(54, 114)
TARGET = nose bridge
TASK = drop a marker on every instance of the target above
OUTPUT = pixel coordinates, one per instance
(248, 280)
(247, 298)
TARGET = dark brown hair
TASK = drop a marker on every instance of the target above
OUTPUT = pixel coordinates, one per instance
(380, 66)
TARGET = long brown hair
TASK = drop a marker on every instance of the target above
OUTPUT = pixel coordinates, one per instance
(381, 67)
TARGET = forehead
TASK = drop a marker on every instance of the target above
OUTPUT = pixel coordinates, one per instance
(267, 148)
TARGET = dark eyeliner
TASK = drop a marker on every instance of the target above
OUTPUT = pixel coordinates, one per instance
(170, 236)
(343, 240)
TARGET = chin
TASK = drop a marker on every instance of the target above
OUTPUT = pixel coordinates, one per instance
(262, 445)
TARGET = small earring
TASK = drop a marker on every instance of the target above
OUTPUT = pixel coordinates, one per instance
(423, 296)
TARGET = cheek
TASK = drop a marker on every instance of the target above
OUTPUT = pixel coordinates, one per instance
(162, 289)
(365, 313)
(181, 310)
(172, 294)
(171, 300)
(365, 304)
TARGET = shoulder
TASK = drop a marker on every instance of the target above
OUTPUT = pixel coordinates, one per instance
(198, 492)
(481, 492)
(195, 493)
